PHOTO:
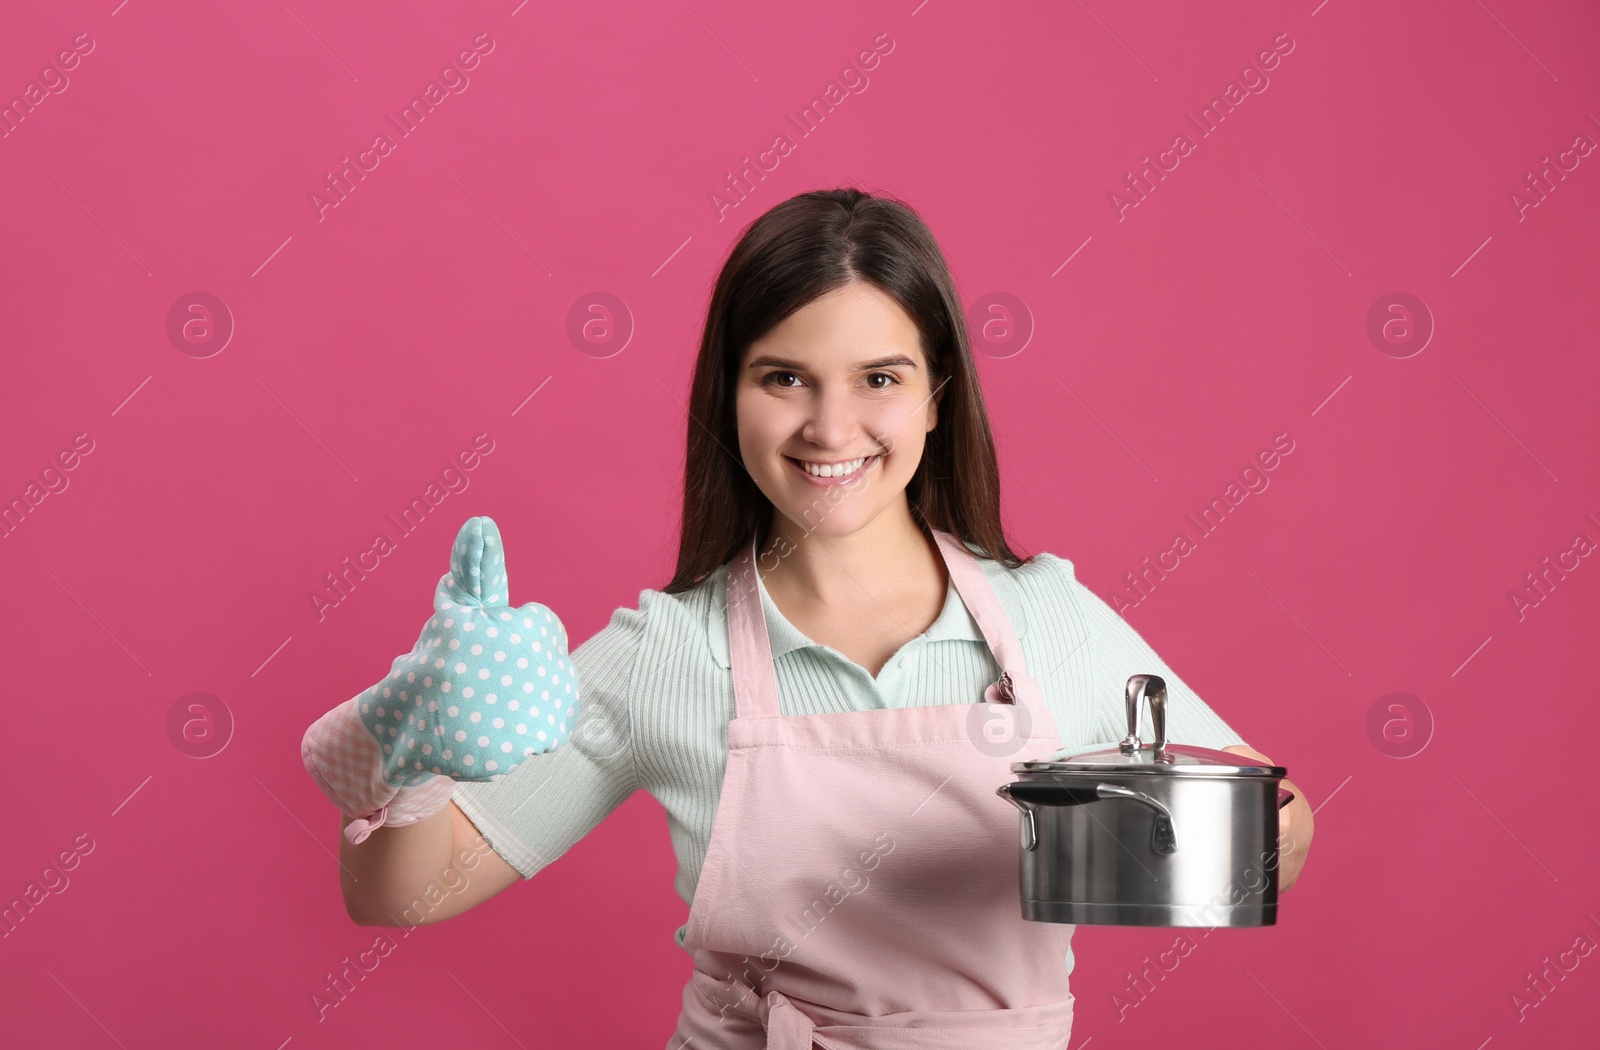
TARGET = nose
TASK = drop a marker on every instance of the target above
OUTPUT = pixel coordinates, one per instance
(832, 422)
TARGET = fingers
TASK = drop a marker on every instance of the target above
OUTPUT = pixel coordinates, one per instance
(477, 565)
(540, 622)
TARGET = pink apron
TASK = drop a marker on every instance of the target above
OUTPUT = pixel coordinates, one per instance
(860, 889)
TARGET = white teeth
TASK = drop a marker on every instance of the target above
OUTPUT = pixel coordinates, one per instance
(835, 470)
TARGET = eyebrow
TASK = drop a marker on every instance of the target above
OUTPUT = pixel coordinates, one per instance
(882, 362)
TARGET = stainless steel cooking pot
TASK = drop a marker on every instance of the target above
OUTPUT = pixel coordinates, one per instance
(1151, 834)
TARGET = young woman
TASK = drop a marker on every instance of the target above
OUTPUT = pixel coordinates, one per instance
(825, 696)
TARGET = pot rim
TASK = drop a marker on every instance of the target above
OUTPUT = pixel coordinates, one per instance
(1046, 770)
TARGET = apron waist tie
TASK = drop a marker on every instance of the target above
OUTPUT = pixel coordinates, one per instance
(788, 1027)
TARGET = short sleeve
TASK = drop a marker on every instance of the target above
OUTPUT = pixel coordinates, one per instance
(1117, 652)
(539, 810)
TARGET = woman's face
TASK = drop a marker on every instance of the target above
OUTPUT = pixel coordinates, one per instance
(833, 407)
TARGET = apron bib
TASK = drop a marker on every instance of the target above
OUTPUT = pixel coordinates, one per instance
(860, 889)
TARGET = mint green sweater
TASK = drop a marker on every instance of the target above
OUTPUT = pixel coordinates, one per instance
(657, 694)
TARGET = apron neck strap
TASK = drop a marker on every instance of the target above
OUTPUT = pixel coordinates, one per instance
(982, 603)
(755, 684)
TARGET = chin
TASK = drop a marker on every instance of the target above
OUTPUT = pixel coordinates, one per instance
(831, 527)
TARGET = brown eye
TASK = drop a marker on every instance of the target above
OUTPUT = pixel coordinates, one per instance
(890, 376)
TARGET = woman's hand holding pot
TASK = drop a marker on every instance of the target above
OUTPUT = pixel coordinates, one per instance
(1295, 824)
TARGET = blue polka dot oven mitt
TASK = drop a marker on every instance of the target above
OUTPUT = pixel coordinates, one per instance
(485, 687)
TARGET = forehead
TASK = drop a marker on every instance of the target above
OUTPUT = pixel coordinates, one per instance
(851, 323)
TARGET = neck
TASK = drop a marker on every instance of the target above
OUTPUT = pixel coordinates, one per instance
(885, 554)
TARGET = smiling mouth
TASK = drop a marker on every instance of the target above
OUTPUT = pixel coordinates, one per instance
(841, 469)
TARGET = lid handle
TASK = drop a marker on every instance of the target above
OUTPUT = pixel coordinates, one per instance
(1152, 689)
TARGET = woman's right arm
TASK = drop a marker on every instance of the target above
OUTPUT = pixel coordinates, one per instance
(442, 865)
(420, 873)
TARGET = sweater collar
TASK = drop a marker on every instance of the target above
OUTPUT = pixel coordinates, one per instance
(954, 622)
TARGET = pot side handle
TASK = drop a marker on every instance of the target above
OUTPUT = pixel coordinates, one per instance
(1162, 838)
(1030, 829)
(1285, 796)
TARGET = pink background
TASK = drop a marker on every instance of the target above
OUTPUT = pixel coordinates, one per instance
(1230, 306)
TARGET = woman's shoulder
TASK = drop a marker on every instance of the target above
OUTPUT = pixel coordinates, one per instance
(1042, 588)
(1042, 572)
(1041, 566)
(662, 619)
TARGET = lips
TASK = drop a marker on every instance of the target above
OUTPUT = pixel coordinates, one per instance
(832, 473)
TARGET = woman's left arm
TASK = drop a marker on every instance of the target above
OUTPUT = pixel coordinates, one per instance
(1295, 825)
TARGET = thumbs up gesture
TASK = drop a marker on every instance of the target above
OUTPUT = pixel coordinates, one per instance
(485, 687)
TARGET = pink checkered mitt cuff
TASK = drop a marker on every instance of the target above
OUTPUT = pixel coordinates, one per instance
(343, 759)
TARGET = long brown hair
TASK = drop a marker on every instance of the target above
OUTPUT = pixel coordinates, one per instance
(793, 254)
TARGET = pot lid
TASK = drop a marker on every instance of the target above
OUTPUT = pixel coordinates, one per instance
(1173, 759)
(1158, 756)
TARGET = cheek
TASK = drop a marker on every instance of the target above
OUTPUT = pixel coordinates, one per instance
(761, 425)
(902, 429)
